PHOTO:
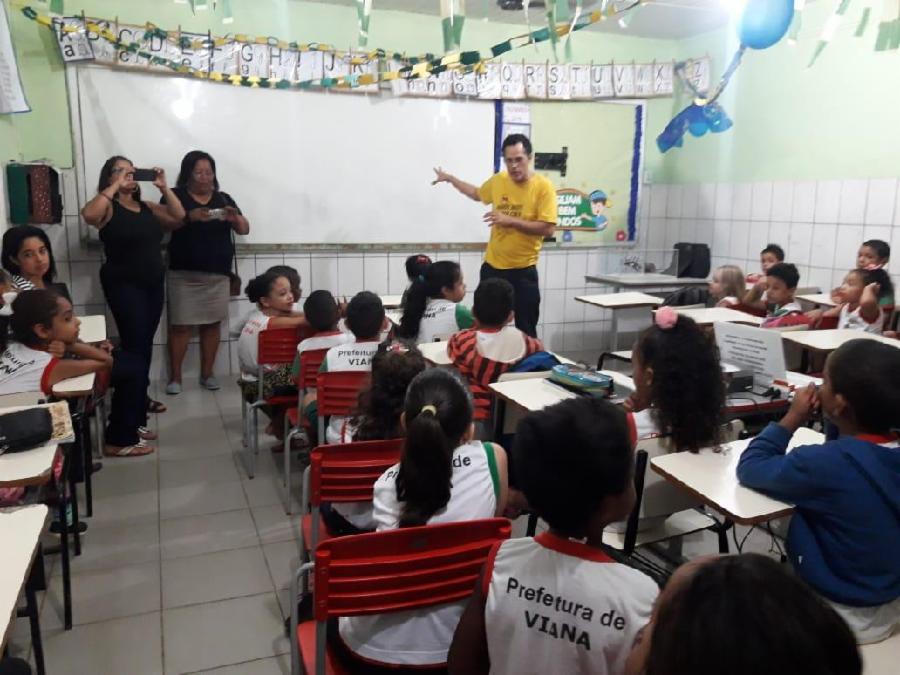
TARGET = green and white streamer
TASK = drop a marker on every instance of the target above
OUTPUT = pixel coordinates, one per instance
(363, 14)
(453, 16)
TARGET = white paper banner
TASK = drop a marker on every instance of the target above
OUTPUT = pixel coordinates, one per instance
(498, 80)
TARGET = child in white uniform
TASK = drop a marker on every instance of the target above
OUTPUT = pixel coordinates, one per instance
(433, 308)
(365, 319)
(859, 302)
(443, 477)
(556, 603)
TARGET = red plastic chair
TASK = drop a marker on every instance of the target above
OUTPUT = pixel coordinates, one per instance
(336, 394)
(310, 363)
(342, 474)
(277, 346)
(392, 571)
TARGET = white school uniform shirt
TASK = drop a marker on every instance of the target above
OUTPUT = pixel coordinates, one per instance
(351, 356)
(641, 425)
(423, 636)
(855, 321)
(296, 308)
(25, 369)
(248, 344)
(555, 605)
(442, 317)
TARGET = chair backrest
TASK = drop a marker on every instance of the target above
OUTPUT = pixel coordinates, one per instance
(277, 346)
(338, 392)
(347, 472)
(310, 362)
(403, 569)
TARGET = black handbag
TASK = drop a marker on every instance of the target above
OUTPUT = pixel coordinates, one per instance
(25, 429)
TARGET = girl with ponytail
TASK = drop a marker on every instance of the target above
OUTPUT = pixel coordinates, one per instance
(432, 309)
(444, 476)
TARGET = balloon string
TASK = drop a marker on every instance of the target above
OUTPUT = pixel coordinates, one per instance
(726, 76)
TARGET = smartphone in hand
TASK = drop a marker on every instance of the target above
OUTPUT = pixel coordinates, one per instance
(145, 175)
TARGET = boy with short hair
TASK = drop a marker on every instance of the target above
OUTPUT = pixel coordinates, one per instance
(783, 310)
(556, 603)
(755, 297)
(493, 346)
(365, 319)
(322, 313)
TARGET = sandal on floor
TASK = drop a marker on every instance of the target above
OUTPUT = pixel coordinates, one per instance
(147, 434)
(155, 407)
(137, 450)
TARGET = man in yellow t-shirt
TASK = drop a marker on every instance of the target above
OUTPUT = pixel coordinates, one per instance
(523, 213)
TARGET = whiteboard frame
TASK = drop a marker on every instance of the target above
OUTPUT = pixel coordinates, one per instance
(89, 236)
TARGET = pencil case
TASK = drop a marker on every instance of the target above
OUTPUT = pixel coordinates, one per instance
(582, 380)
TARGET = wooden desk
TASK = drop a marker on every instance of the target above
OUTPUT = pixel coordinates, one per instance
(627, 300)
(536, 393)
(75, 386)
(631, 306)
(823, 299)
(20, 531)
(829, 340)
(93, 328)
(648, 280)
(712, 478)
(391, 301)
(436, 353)
(711, 315)
(31, 467)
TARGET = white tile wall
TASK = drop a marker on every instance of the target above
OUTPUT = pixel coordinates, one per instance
(820, 224)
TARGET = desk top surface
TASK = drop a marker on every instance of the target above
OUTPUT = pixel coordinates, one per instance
(20, 529)
(621, 300)
(712, 477)
(818, 299)
(93, 328)
(644, 279)
(536, 393)
(391, 301)
(829, 340)
(75, 386)
(31, 467)
(708, 315)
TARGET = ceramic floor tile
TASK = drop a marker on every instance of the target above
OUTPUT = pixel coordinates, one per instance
(199, 499)
(223, 633)
(214, 576)
(219, 469)
(112, 545)
(276, 665)
(195, 535)
(129, 509)
(129, 645)
(100, 595)
(283, 558)
(274, 525)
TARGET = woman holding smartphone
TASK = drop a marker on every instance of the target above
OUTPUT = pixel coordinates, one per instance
(200, 259)
(132, 277)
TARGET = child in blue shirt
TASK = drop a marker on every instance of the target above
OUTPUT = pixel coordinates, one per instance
(844, 537)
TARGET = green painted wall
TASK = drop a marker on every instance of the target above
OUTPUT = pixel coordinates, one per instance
(45, 132)
(837, 119)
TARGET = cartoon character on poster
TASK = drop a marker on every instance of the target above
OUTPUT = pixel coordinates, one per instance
(599, 203)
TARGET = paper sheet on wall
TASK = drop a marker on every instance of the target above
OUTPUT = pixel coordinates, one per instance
(12, 96)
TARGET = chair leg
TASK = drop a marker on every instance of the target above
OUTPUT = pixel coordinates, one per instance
(295, 619)
(34, 623)
(64, 553)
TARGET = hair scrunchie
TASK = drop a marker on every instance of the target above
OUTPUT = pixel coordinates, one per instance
(665, 318)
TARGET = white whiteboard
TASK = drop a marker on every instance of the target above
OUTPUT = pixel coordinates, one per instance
(305, 167)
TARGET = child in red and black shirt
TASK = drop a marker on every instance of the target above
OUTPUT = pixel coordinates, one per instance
(493, 346)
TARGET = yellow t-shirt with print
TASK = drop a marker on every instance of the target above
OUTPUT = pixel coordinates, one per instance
(534, 200)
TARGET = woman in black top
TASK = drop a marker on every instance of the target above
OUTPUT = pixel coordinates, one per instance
(133, 275)
(200, 259)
